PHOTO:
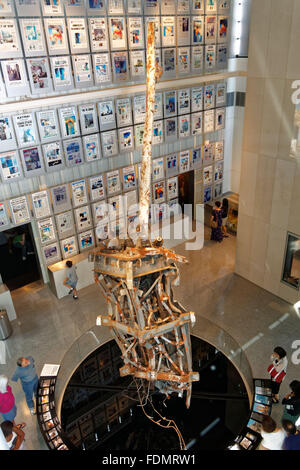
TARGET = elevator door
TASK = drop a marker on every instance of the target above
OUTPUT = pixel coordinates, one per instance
(17, 266)
(186, 190)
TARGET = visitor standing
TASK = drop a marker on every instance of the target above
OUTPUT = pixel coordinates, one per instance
(292, 440)
(216, 223)
(224, 210)
(292, 402)
(71, 279)
(8, 407)
(26, 372)
(273, 436)
(277, 371)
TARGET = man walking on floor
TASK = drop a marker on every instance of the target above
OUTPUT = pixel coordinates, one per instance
(26, 372)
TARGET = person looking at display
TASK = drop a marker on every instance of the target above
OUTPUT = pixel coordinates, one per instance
(224, 210)
(277, 371)
(292, 440)
(14, 435)
(273, 436)
(216, 223)
(71, 279)
(292, 403)
(8, 407)
(26, 372)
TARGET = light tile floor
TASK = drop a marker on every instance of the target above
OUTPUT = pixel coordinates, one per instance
(46, 327)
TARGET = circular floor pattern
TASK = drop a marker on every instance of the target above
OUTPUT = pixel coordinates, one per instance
(100, 409)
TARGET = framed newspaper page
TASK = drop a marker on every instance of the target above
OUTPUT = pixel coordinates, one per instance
(53, 156)
(10, 44)
(40, 204)
(102, 69)
(62, 73)
(82, 68)
(15, 78)
(48, 125)
(19, 210)
(28, 8)
(32, 160)
(56, 35)
(109, 143)
(98, 34)
(117, 30)
(61, 200)
(78, 36)
(39, 75)
(10, 166)
(73, 152)
(7, 134)
(51, 253)
(88, 118)
(52, 7)
(32, 32)
(96, 187)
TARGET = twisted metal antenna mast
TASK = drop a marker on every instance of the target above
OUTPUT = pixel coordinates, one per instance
(146, 168)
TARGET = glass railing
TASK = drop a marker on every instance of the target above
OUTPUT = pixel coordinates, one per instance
(295, 141)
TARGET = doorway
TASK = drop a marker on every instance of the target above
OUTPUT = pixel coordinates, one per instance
(186, 190)
(19, 266)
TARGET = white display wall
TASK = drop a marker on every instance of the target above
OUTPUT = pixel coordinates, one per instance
(54, 46)
(82, 129)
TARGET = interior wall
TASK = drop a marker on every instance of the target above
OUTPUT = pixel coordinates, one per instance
(270, 177)
(234, 129)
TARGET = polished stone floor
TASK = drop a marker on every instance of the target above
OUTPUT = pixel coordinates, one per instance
(257, 320)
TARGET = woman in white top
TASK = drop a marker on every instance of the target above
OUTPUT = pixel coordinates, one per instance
(273, 436)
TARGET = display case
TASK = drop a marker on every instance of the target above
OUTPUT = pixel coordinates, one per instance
(291, 267)
(250, 437)
(46, 414)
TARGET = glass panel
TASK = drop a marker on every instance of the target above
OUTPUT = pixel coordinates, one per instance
(291, 270)
(295, 143)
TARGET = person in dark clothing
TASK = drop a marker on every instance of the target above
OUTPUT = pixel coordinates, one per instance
(21, 241)
(224, 210)
(216, 223)
(292, 440)
(292, 403)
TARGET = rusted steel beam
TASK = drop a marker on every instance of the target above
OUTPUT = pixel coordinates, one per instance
(144, 335)
(165, 376)
(145, 187)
